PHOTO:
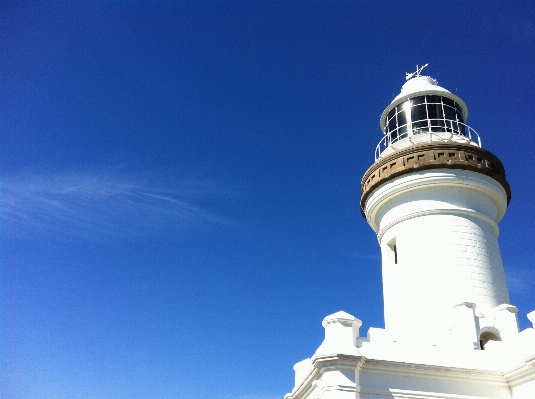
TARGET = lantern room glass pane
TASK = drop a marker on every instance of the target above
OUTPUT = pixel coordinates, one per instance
(449, 113)
(420, 127)
(437, 125)
(460, 116)
(394, 137)
(392, 124)
(433, 99)
(452, 126)
(434, 111)
(463, 129)
(448, 101)
(402, 119)
(418, 113)
(418, 100)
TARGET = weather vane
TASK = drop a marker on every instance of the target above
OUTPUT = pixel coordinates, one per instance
(417, 73)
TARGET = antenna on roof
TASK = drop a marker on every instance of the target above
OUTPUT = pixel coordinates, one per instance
(415, 74)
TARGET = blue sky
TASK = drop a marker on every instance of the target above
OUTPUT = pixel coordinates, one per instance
(180, 180)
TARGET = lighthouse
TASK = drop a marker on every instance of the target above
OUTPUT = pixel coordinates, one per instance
(434, 197)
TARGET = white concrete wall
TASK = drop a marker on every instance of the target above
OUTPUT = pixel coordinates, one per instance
(437, 385)
(375, 369)
(443, 225)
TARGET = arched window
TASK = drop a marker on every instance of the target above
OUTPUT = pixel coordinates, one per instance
(488, 334)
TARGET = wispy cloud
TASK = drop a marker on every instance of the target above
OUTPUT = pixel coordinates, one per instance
(519, 280)
(107, 203)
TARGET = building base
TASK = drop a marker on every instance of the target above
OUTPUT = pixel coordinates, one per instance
(380, 367)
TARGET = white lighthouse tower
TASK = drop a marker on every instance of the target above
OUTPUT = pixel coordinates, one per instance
(434, 198)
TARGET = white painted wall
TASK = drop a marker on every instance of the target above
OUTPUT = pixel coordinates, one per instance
(347, 366)
(443, 224)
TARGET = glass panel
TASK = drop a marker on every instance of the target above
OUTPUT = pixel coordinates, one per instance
(402, 120)
(448, 101)
(420, 127)
(419, 113)
(402, 131)
(434, 111)
(394, 136)
(391, 114)
(459, 109)
(418, 100)
(449, 113)
(460, 117)
(392, 124)
(433, 99)
(455, 127)
(452, 127)
(437, 125)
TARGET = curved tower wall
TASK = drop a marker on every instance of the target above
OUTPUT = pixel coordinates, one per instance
(438, 237)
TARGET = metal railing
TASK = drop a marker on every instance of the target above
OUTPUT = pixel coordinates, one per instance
(443, 130)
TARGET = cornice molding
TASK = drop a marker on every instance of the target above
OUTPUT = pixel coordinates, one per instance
(323, 363)
(451, 178)
(335, 359)
(432, 156)
(361, 364)
(407, 394)
(523, 373)
(401, 369)
(449, 211)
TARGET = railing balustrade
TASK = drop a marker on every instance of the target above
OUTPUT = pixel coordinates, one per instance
(436, 129)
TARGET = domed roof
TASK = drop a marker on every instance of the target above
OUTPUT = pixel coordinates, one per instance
(419, 84)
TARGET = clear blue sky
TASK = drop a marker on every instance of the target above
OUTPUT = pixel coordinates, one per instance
(180, 181)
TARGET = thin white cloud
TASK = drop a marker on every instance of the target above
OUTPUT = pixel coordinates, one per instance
(519, 280)
(107, 203)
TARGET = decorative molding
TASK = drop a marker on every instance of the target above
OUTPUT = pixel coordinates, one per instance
(419, 180)
(518, 376)
(432, 156)
(339, 388)
(463, 212)
(320, 365)
(407, 394)
(522, 374)
(401, 369)
(338, 359)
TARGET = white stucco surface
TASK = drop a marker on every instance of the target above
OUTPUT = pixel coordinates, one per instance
(437, 231)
